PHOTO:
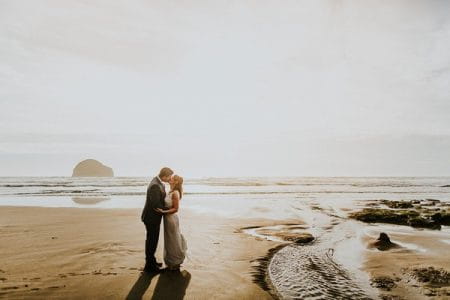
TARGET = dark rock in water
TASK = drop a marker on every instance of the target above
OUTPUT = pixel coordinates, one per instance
(423, 223)
(397, 204)
(447, 185)
(442, 218)
(418, 218)
(433, 200)
(430, 202)
(92, 168)
(437, 217)
(384, 237)
(445, 220)
(304, 238)
(384, 243)
(375, 215)
(383, 282)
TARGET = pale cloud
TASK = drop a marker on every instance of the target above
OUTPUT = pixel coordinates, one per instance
(203, 83)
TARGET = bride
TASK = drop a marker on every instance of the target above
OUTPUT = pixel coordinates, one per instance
(174, 243)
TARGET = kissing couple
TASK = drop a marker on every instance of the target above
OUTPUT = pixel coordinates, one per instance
(161, 205)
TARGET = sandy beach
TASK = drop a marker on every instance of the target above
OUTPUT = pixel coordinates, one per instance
(74, 253)
(247, 239)
(79, 253)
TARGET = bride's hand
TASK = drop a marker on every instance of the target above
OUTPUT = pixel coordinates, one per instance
(159, 210)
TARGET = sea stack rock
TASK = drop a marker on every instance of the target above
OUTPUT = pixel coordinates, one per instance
(383, 243)
(92, 168)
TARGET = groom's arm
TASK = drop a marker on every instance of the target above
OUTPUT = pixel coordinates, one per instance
(147, 205)
(145, 210)
(155, 197)
(152, 201)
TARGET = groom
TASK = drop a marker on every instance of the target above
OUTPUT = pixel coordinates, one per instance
(152, 219)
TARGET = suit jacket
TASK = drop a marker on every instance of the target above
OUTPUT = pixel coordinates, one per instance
(155, 199)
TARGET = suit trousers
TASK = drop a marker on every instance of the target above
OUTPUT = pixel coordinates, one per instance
(151, 242)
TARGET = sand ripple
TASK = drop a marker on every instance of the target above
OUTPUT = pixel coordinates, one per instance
(309, 272)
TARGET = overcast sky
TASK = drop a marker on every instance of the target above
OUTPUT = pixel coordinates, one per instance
(226, 88)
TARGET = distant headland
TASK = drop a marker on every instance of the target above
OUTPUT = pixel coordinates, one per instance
(92, 168)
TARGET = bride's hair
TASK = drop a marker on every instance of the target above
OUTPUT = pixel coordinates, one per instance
(178, 184)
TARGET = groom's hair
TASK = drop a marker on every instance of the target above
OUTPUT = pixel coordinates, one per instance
(165, 172)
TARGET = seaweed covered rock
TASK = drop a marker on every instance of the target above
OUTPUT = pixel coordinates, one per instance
(425, 213)
(419, 222)
(411, 218)
(432, 276)
(441, 218)
(397, 204)
(383, 282)
(430, 202)
(378, 215)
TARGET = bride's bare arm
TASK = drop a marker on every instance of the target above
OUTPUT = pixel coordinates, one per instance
(175, 204)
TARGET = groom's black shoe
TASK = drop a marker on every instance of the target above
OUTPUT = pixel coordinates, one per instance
(152, 269)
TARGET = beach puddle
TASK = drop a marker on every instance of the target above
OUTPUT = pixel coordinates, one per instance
(309, 272)
(324, 268)
(279, 233)
(327, 268)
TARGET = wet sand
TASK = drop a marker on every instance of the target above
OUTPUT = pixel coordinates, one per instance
(97, 253)
(418, 248)
(81, 253)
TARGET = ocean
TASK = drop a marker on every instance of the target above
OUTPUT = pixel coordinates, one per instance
(129, 192)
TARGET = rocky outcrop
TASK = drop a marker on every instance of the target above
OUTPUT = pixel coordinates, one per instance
(428, 213)
(383, 243)
(397, 204)
(92, 168)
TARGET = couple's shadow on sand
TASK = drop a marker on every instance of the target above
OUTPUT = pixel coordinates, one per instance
(170, 285)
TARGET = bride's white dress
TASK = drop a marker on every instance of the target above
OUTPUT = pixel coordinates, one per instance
(174, 243)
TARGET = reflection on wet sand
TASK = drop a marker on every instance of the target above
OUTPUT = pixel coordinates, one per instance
(89, 200)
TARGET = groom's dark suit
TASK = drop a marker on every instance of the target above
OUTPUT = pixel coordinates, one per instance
(152, 219)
